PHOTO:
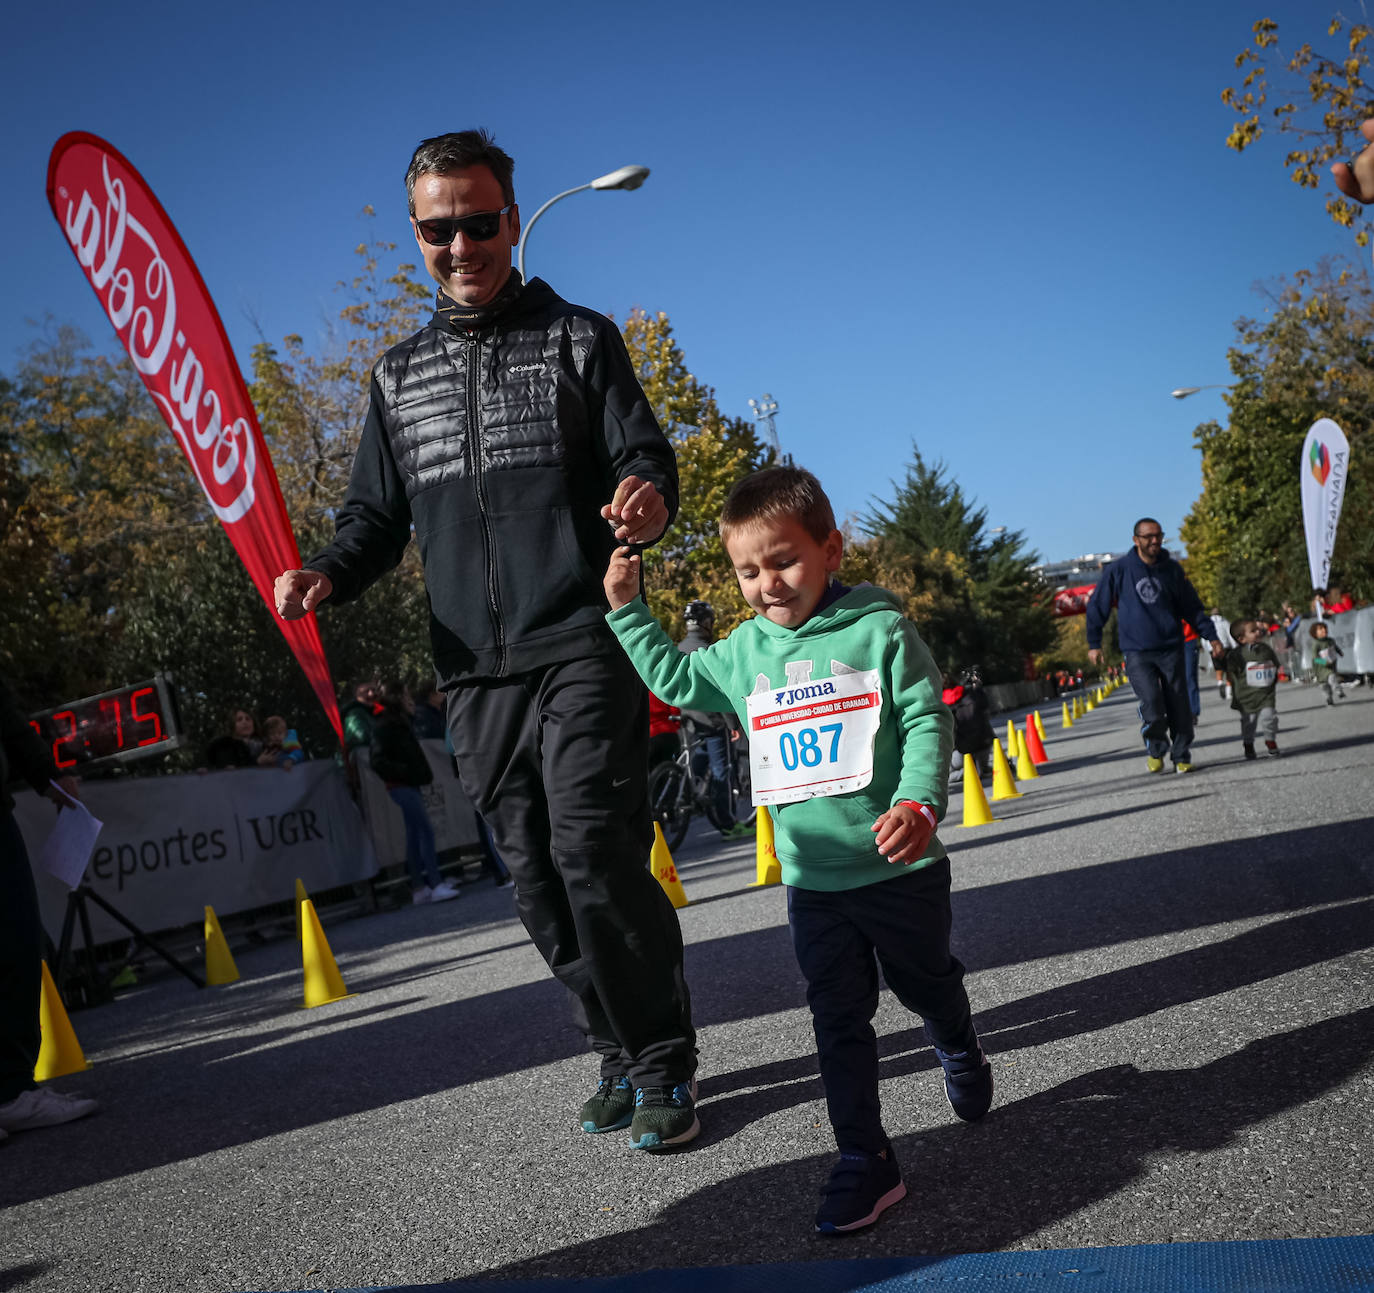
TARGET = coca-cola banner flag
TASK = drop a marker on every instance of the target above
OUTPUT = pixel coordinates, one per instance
(1072, 601)
(1323, 467)
(153, 293)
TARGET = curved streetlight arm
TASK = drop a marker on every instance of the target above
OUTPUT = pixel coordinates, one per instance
(1184, 391)
(525, 232)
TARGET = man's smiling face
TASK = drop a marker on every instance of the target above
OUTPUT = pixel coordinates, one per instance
(470, 272)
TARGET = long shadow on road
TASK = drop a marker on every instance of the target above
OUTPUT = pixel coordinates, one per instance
(230, 1089)
(988, 1186)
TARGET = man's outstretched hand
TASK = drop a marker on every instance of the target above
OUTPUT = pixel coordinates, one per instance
(1357, 181)
(637, 511)
(298, 592)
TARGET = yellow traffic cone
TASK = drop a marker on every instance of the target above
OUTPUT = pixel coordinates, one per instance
(1011, 738)
(1068, 718)
(661, 864)
(323, 982)
(301, 897)
(976, 810)
(1003, 783)
(1089, 705)
(1078, 707)
(767, 868)
(219, 960)
(1039, 726)
(1025, 765)
(60, 1052)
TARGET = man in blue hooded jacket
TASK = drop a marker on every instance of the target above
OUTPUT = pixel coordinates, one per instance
(1153, 597)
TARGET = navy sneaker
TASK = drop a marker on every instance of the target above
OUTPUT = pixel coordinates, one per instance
(860, 1189)
(664, 1116)
(968, 1082)
(610, 1108)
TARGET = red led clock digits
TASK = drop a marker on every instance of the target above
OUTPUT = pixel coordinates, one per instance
(152, 718)
(113, 702)
(63, 740)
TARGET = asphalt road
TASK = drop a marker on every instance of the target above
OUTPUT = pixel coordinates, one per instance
(1172, 975)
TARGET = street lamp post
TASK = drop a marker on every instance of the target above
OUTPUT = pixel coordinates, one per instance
(627, 177)
(763, 414)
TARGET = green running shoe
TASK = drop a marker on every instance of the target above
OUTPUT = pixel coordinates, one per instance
(610, 1108)
(664, 1116)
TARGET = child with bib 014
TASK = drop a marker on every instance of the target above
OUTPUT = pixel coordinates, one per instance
(849, 746)
(1253, 670)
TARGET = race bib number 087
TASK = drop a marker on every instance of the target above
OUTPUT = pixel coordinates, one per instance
(814, 738)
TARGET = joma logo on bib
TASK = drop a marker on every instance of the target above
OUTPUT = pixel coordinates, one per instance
(792, 694)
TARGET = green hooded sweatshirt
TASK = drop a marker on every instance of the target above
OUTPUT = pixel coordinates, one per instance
(826, 842)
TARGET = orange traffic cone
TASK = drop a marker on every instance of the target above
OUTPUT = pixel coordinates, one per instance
(1003, 783)
(60, 1052)
(767, 868)
(661, 864)
(976, 810)
(219, 960)
(323, 982)
(1035, 742)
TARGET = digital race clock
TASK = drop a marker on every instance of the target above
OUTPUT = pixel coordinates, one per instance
(130, 722)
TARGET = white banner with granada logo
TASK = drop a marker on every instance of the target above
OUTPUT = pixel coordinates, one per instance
(154, 296)
(1324, 465)
(813, 738)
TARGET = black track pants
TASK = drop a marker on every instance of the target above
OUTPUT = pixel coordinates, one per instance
(556, 761)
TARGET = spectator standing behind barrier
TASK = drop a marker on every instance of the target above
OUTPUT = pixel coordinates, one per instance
(1253, 669)
(401, 764)
(500, 430)
(23, 1104)
(1152, 597)
(240, 746)
(281, 746)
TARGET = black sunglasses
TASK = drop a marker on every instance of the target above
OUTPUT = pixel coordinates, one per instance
(482, 226)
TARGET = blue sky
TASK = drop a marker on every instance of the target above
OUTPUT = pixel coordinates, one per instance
(1001, 233)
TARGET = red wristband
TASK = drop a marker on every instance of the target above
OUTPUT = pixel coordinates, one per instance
(927, 812)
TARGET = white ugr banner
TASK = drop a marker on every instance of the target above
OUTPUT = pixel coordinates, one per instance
(813, 738)
(1324, 465)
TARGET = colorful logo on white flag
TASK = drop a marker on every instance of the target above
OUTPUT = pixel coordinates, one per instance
(1322, 468)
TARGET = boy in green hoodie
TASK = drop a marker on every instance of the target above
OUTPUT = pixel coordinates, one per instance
(850, 744)
(1253, 670)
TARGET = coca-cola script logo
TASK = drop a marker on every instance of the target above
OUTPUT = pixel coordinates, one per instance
(137, 287)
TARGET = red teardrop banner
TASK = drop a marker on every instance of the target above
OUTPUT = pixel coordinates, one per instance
(154, 296)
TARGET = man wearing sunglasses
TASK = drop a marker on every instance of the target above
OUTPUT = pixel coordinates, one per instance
(1153, 600)
(508, 431)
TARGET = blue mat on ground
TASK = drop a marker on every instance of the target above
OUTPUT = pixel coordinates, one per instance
(1250, 1266)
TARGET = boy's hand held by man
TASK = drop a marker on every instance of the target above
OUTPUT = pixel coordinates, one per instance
(622, 578)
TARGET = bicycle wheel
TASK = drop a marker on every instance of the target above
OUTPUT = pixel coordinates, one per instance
(670, 802)
(741, 794)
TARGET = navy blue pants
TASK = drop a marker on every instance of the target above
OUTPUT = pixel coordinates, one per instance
(1157, 678)
(841, 939)
(1190, 655)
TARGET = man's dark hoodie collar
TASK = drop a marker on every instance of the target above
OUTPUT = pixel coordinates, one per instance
(475, 318)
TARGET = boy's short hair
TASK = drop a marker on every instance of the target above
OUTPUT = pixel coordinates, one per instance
(1320, 624)
(1238, 627)
(775, 493)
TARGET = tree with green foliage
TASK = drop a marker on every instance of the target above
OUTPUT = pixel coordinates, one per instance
(974, 594)
(713, 452)
(1311, 357)
(1323, 98)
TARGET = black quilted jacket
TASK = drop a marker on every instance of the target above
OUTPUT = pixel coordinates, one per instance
(500, 446)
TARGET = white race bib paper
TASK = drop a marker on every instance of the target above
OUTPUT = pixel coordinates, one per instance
(1260, 673)
(813, 738)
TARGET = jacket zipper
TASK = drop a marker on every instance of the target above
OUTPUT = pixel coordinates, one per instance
(474, 369)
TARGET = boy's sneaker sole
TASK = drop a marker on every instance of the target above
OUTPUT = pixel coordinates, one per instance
(854, 1196)
(665, 1122)
(895, 1195)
